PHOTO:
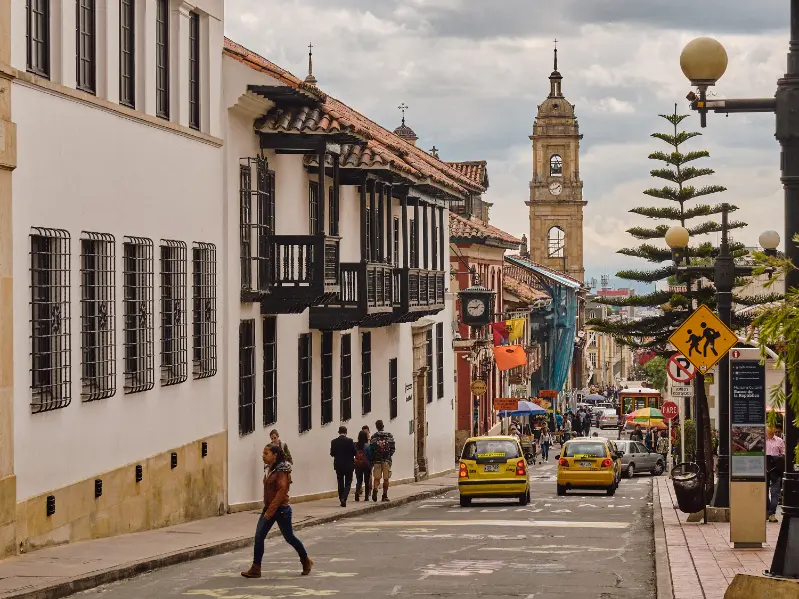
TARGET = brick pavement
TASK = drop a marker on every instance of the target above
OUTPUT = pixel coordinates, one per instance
(702, 561)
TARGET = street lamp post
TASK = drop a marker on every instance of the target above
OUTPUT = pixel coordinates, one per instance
(703, 62)
(724, 271)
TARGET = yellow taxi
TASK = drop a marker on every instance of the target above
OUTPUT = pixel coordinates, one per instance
(493, 467)
(587, 463)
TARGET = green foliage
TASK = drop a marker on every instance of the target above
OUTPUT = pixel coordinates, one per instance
(655, 370)
(690, 441)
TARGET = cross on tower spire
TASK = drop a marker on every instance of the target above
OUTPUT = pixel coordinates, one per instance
(403, 107)
(310, 78)
(556, 54)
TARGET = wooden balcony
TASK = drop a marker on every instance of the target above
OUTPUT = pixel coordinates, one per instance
(421, 293)
(367, 298)
(295, 272)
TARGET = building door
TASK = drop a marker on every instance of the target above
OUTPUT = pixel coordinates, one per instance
(420, 401)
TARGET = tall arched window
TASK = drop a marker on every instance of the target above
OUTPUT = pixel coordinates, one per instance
(556, 243)
(555, 166)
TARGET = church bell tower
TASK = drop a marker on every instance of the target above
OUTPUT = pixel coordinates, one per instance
(556, 191)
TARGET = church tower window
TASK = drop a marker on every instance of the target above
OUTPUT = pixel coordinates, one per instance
(556, 242)
(555, 166)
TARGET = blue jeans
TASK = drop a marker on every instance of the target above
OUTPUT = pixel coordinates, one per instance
(773, 492)
(545, 451)
(283, 519)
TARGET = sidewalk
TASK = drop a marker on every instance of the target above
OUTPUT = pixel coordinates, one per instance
(699, 559)
(60, 571)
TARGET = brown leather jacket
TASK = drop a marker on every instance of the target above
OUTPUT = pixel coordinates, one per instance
(276, 491)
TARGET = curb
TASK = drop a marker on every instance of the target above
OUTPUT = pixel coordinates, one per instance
(130, 570)
(665, 590)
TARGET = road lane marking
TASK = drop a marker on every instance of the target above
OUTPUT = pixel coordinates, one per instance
(395, 591)
(407, 524)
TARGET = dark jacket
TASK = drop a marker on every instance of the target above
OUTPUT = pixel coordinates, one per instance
(342, 450)
(377, 456)
(276, 488)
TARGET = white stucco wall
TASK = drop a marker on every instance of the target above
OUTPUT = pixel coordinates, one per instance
(86, 169)
(313, 471)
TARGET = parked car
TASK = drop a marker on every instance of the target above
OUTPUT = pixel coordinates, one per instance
(607, 418)
(637, 458)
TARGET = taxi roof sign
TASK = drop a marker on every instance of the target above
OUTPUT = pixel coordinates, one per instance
(703, 339)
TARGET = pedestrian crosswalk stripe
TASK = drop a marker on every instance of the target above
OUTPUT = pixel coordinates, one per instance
(511, 523)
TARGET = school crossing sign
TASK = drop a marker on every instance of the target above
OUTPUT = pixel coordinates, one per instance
(703, 339)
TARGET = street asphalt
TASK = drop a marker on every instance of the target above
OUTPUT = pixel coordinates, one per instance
(585, 545)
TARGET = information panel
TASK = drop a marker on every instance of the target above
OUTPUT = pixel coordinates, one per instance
(748, 414)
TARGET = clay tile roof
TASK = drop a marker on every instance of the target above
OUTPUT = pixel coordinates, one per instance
(473, 228)
(523, 291)
(334, 116)
(474, 169)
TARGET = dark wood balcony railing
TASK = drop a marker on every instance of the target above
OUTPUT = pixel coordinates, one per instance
(296, 272)
(421, 293)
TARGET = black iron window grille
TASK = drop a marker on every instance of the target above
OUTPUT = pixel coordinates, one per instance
(434, 239)
(246, 377)
(137, 267)
(203, 259)
(366, 373)
(368, 235)
(127, 53)
(313, 207)
(440, 360)
(37, 13)
(98, 316)
(51, 384)
(86, 46)
(429, 357)
(174, 345)
(256, 196)
(396, 238)
(393, 390)
(270, 369)
(327, 377)
(412, 242)
(305, 381)
(194, 70)
(346, 377)
(332, 212)
(162, 59)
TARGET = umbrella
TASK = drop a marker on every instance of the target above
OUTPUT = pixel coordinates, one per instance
(647, 414)
(595, 398)
(526, 408)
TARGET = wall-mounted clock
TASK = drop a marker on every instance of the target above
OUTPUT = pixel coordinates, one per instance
(555, 188)
(477, 305)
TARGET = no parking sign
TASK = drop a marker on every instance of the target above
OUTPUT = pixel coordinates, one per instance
(680, 369)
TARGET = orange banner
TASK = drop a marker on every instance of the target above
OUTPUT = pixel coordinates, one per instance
(504, 403)
(509, 356)
(548, 393)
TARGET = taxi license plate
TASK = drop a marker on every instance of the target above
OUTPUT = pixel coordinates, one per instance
(586, 464)
(491, 468)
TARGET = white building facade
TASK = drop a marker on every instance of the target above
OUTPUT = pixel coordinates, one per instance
(363, 334)
(118, 413)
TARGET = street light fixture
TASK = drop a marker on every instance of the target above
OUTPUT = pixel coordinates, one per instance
(703, 62)
(723, 272)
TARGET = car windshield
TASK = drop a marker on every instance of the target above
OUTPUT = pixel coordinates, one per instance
(589, 448)
(490, 448)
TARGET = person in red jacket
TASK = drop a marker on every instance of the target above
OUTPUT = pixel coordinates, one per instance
(277, 508)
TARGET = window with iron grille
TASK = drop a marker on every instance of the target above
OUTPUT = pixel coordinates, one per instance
(246, 377)
(346, 377)
(440, 360)
(97, 316)
(305, 381)
(51, 386)
(85, 40)
(393, 391)
(194, 70)
(332, 211)
(429, 356)
(162, 59)
(434, 239)
(245, 191)
(313, 207)
(262, 189)
(396, 224)
(270, 369)
(412, 242)
(37, 13)
(369, 235)
(174, 352)
(327, 377)
(137, 274)
(203, 264)
(127, 53)
(366, 373)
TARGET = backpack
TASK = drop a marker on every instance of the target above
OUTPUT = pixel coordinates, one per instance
(381, 450)
(361, 461)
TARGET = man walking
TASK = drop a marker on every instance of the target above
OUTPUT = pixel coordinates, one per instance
(775, 467)
(382, 444)
(342, 450)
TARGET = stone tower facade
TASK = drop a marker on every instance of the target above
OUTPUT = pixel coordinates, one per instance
(556, 191)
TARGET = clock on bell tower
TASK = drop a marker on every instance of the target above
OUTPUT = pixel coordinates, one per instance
(556, 191)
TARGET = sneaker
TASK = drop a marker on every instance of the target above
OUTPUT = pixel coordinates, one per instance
(772, 518)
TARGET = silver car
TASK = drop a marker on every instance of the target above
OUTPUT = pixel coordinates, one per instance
(637, 458)
(607, 418)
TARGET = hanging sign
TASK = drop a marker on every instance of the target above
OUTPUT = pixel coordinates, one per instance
(510, 404)
(703, 339)
(548, 393)
(478, 387)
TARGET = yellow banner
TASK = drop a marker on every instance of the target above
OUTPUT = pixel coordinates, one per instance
(515, 328)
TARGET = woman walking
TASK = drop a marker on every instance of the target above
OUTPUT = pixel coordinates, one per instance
(363, 466)
(277, 481)
(546, 441)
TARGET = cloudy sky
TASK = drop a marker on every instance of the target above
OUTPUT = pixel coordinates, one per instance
(474, 71)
